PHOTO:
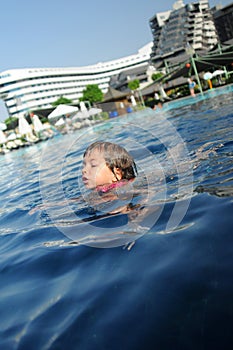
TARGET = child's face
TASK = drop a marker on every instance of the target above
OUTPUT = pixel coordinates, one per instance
(95, 171)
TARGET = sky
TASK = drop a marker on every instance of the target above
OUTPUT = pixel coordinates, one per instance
(74, 33)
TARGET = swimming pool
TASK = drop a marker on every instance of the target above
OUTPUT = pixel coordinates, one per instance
(173, 287)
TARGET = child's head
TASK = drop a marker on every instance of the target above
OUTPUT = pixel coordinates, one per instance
(106, 163)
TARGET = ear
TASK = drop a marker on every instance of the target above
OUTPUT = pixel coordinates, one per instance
(118, 173)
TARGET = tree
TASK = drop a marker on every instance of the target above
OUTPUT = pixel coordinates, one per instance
(11, 123)
(134, 84)
(92, 93)
(156, 76)
(62, 101)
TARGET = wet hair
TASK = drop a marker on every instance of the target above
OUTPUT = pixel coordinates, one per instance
(115, 157)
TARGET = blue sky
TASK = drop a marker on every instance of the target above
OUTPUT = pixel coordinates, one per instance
(66, 33)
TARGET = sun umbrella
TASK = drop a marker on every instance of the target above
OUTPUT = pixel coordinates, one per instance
(133, 101)
(38, 126)
(83, 107)
(60, 122)
(208, 76)
(12, 137)
(94, 111)
(62, 110)
(24, 127)
(2, 137)
(3, 126)
(80, 115)
(163, 93)
(218, 72)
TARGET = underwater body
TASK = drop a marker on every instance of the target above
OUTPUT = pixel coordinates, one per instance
(74, 277)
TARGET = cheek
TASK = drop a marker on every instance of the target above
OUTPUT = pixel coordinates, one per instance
(104, 174)
(96, 173)
(99, 173)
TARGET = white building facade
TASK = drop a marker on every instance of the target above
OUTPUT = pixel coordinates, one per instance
(23, 90)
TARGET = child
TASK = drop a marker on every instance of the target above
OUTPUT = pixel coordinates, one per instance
(107, 166)
(112, 214)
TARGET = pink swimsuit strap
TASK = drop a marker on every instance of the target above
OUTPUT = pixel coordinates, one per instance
(108, 187)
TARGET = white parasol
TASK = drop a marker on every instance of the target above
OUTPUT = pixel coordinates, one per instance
(38, 126)
(12, 137)
(218, 72)
(80, 115)
(24, 127)
(133, 101)
(3, 138)
(83, 107)
(208, 76)
(62, 110)
(3, 126)
(60, 122)
(94, 111)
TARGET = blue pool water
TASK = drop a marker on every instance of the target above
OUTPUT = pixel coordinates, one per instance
(160, 278)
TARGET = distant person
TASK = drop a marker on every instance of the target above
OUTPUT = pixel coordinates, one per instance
(156, 96)
(160, 105)
(192, 85)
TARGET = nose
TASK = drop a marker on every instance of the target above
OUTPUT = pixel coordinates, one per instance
(84, 169)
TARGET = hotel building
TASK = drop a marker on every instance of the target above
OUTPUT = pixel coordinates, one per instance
(191, 24)
(24, 90)
(223, 19)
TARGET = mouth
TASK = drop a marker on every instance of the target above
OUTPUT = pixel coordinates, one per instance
(85, 180)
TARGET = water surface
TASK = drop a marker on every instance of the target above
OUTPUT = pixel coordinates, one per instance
(173, 288)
